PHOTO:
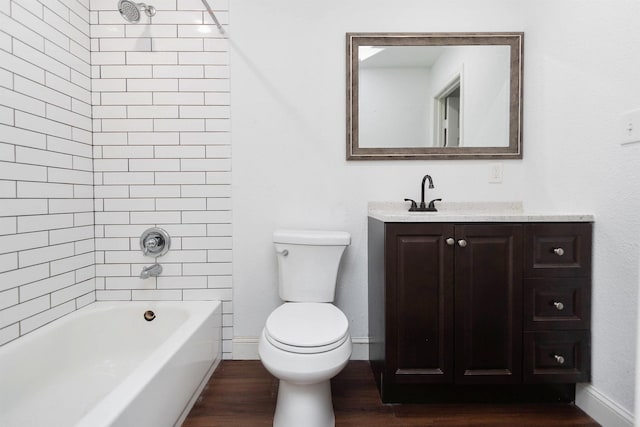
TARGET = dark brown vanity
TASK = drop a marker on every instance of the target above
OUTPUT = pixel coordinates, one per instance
(483, 309)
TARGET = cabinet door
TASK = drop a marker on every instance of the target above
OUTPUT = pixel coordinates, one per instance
(419, 303)
(488, 301)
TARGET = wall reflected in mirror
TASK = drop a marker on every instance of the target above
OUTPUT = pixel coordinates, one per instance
(433, 95)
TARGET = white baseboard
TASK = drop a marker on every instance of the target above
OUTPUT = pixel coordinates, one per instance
(246, 348)
(601, 408)
(360, 348)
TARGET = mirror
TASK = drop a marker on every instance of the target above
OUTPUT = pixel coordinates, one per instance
(434, 96)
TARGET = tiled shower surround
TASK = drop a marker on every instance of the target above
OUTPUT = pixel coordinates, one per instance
(141, 111)
(46, 195)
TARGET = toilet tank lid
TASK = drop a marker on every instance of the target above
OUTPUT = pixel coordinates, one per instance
(312, 237)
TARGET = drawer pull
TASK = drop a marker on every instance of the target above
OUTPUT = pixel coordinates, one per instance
(558, 305)
(462, 243)
(450, 241)
(559, 359)
(558, 251)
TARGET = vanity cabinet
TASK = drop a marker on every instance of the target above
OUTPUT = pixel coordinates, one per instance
(455, 307)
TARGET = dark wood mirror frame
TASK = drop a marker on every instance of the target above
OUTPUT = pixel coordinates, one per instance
(514, 40)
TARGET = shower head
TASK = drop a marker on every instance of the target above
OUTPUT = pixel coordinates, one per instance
(131, 10)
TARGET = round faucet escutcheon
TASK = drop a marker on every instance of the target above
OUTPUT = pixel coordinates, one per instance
(155, 242)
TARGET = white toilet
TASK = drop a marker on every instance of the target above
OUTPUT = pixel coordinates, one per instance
(306, 340)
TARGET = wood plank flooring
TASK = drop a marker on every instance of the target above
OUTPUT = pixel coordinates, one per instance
(243, 393)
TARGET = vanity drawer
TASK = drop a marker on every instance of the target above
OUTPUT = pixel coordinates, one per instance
(557, 357)
(557, 303)
(553, 249)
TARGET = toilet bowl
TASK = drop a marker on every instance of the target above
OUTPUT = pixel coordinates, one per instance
(306, 341)
(304, 345)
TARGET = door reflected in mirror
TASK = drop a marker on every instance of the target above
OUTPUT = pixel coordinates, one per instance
(448, 119)
(430, 96)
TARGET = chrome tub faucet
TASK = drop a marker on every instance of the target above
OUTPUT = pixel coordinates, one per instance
(151, 270)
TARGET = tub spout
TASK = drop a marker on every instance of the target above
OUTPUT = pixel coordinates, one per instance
(151, 270)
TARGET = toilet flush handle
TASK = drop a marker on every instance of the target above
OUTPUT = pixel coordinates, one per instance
(283, 252)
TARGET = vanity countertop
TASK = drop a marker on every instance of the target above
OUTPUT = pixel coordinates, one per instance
(470, 212)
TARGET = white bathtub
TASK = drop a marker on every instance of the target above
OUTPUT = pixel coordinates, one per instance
(105, 365)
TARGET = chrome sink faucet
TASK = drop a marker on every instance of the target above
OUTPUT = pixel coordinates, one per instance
(423, 206)
(151, 270)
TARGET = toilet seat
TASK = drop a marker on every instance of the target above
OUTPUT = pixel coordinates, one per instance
(306, 328)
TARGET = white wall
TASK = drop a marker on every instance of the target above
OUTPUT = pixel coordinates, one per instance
(46, 194)
(581, 61)
(485, 91)
(158, 93)
(162, 152)
(395, 109)
(581, 72)
(289, 167)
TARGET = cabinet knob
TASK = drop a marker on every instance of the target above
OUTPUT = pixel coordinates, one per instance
(462, 243)
(559, 359)
(558, 251)
(558, 305)
(450, 241)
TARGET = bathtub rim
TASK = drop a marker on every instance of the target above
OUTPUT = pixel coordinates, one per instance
(102, 414)
(115, 402)
(96, 305)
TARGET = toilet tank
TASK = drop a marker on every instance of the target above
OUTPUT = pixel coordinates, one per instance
(308, 262)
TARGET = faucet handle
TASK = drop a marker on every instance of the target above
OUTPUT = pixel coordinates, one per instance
(414, 205)
(155, 242)
(150, 244)
(432, 206)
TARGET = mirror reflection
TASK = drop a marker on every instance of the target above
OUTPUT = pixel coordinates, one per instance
(433, 96)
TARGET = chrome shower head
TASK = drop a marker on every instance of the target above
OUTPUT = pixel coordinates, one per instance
(131, 10)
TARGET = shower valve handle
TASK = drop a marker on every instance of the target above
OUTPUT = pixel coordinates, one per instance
(155, 242)
(150, 244)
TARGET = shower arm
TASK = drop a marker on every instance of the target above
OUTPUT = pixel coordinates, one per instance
(213, 15)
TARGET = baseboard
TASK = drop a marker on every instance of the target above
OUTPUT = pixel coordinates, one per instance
(246, 348)
(360, 348)
(601, 408)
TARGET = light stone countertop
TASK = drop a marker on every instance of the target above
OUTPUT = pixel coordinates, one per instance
(469, 212)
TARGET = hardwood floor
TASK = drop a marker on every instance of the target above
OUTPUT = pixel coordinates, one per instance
(243, 393)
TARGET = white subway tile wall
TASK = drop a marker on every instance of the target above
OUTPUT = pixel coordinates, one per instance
(47, 255)
(162, 153)
(108, 128)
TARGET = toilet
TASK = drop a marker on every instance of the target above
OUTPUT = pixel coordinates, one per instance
(305, 341)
